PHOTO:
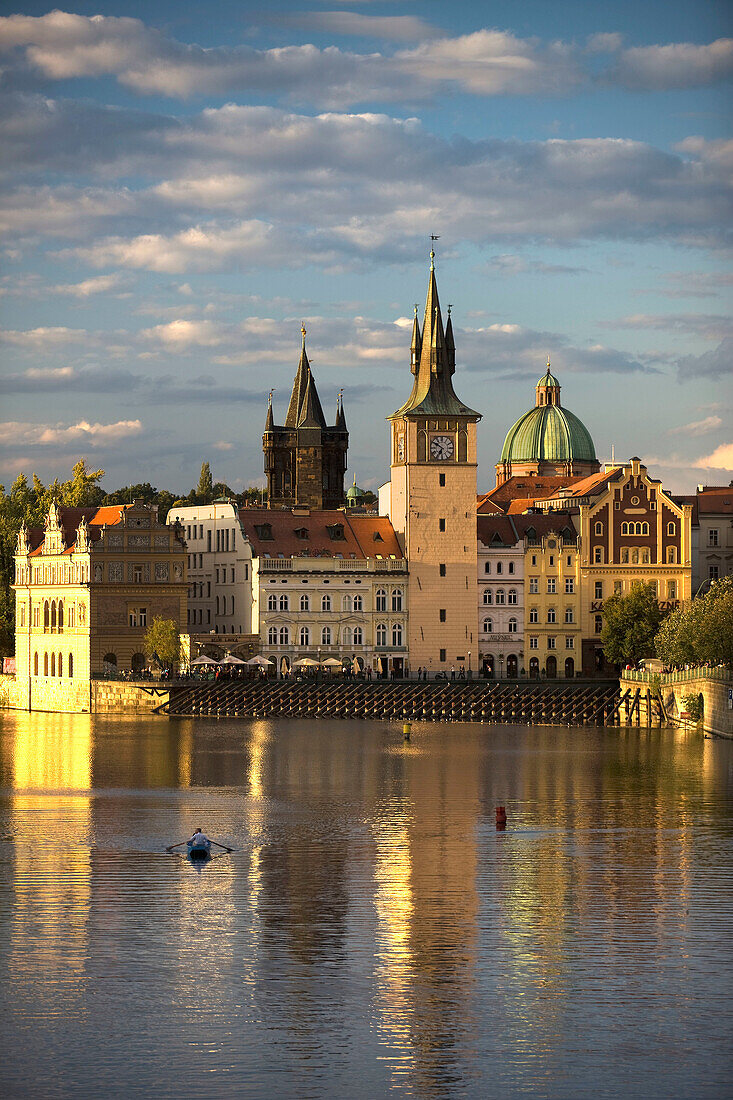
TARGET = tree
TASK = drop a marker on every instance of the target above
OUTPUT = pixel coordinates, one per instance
(205, 487)
(82, 490)
(163, 642)
(702, 633)
(630, 624)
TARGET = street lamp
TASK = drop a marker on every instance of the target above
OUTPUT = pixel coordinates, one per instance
(501, 666)
(469, 664)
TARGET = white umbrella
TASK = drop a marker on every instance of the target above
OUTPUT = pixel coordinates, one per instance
(230, 659)
(355, 666)
(258, 660)
(331, 662)
(305, 662)
(204, 660)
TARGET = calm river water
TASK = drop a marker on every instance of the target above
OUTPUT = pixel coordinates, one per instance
(373, 934)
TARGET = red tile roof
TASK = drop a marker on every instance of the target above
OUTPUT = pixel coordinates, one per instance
(526, 487)
(363, 536)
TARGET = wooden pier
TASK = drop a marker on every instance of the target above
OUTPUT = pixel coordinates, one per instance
(590, 702)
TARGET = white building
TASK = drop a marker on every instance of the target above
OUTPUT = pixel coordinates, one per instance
(500, 596)
(219, 568)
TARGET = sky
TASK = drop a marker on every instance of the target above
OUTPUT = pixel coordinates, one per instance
(183, 185)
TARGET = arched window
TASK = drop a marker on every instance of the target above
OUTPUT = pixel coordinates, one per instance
(511, 567)
(512, 596)
(45, 664)
(358, 603)
(397, 634)
(272, 635)
(499, 567)
(284, 602)
(598, 556)
(53, 664)
(487, 596)
(346, 603)
(645, 528)
(35, 663)
(284, 635)
(534, 616)
(358, 636)
(671, 555)
(53, 615)
(46, 618)
(598, 528)
(71, 664)
(305, 636)
(671, 528)
(61, 615)
(381, 600)
(488, 626)
(397, 599)
(305, 603)
(645, 556)
(381, 634)
(272, 602)
(60, 666)
(326, 635)
(487, 567)
(512, 626)
(624, 528)
(325, 603)
(217, 605)
(346, 636)
(569, 618)
(500, 595)
(551, 615)
(625, 556)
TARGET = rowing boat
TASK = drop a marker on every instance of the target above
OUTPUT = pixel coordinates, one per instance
(200, 850)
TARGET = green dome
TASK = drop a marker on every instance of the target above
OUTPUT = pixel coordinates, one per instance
(550, 433)
(548, 379)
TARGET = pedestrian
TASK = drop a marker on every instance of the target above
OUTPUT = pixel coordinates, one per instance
(452, 672)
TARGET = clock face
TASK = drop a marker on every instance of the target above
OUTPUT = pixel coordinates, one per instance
(441, 447)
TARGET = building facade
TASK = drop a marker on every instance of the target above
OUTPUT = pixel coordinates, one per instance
(87, 587)
(500, 597)
(305, 459)
(431, 496)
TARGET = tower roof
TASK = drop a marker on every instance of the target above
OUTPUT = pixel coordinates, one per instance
(548, 432)
(433, 359)
(305, 408)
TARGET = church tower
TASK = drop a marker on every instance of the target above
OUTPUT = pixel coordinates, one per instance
(305, 459)
(431, 497)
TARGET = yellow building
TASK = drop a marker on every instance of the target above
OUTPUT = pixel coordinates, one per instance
(86, 589)
(552, 624)
(431, 497)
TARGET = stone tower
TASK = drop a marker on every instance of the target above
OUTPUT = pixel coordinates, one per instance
(305, 459)
(431, 497)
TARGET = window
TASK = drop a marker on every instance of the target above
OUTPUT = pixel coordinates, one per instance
(138, 616)
(534, 642)
(550, 586)
(671, 590)
(552, 557)
(441, 480)
(358, 603)
(551, 615)
(598, 556)
(305, 603)
(487, 567)
(598, 624)
(397, 599)
(326, 635)
(381, 600)
(381, 634)
(598, 589)
(71, 665)
(284, 602)
(569, 585)
(500, 595)
(645, 556)
(569, 615)
(272, 602)
(713, 573)
(499, 567)
(397, 634)
(487, 596)
(671, 555)
(713, 536)
(441, 525)
(442, 655)
(45, 664)
(325, 603)
(35, 664)
(598, 528)
(625, 556)
(511, 567)
(534, 585)
(137, 574)
(569, 642)
(534, 616)
(488, 626)
(336, 532)
(512, 596)
(441, 614)
(671, 528)
(272, 635)
(512, 626)
(441, 569)
(305, 636)
(551, 642)
(617, 588)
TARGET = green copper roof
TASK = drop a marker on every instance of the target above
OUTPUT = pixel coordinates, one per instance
(548, 379)
(548, 432)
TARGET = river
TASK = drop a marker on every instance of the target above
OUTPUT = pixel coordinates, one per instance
(373, 934)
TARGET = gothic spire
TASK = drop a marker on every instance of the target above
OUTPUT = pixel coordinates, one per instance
(340, 415)
(416, 345)
(269, 419)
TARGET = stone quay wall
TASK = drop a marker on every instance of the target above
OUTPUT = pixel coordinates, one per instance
(82, 696)
(715, 686)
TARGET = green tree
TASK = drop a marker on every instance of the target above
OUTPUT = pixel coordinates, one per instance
(630, 624)
(82, 489)
(163, 642)
(702, 633)
(205, 487)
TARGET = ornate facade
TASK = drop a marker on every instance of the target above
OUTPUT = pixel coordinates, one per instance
(305, 459)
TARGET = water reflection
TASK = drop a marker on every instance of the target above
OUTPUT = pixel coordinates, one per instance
(372, 932)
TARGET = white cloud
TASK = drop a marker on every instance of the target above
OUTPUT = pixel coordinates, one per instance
(720, 459)
(698, 427)
(397, 28)
(99, 284)
(24, 434)
(677, 65)
(42, 338)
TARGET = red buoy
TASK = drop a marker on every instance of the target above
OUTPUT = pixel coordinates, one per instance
(500, 817)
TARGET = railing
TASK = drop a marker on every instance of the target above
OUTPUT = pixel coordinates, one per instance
(306, 564)
(678, 676)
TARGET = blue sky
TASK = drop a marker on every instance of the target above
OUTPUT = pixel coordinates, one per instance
(184, 185)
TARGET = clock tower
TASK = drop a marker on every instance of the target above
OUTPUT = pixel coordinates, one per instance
(431, 497)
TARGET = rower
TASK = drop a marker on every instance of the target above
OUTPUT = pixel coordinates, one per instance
(199, 837)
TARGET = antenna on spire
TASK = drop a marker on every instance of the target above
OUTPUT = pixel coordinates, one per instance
(450, 307)
(339, 399)
(433, 237)
(302, 329)
(613, 454)
(416, 308)
(548, 361)
(269, 398)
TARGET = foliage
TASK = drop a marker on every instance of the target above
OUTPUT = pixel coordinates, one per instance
(702, 633)
(205, 487)
(82, 490)
(630, 624)
(694, 705)
(163, 642)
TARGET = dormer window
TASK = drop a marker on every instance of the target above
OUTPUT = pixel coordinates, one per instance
(301, 532)
(336, 532)
(377, 537)
(264, 532)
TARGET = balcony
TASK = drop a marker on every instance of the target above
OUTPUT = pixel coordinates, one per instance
(332, 565)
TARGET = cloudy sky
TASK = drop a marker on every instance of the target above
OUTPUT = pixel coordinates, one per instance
(184, 184)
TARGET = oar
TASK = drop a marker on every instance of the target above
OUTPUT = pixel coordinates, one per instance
(222, 846)
(178, 845)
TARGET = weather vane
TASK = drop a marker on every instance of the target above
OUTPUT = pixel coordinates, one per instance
(302, 328)
(269, 399)
(433, 237)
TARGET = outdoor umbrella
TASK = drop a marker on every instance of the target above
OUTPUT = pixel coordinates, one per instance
(204, 660)
(355, 666)
(331, 662)
(230, 659)
(305, 662)
(258, 660)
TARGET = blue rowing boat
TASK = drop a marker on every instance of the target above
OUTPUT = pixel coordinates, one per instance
(200, 850)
